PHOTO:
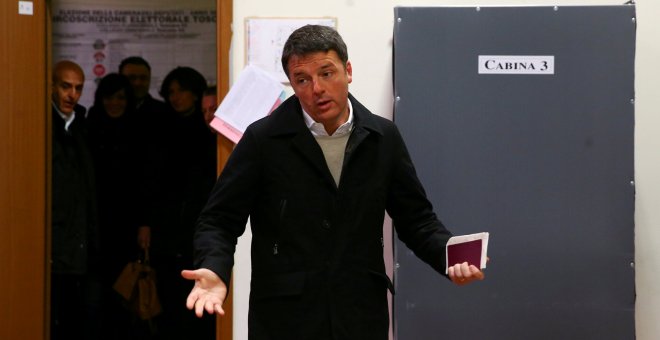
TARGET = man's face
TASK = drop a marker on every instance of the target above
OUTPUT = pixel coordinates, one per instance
(320, 82)
(67, 89)
(140, 78)
(209, 105)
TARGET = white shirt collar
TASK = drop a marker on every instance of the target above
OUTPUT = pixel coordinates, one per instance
(68, 119)
(317, 129)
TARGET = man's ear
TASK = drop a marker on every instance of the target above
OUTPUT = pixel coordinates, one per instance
(349, 71)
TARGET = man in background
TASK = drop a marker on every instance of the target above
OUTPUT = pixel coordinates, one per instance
(75, 287)
(138, 72)
(152, 118)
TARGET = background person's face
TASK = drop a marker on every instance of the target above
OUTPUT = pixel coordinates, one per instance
(320, 82)
(181, 100)
(67, 90)
(140, 78)
(115, 104)
(209, 105)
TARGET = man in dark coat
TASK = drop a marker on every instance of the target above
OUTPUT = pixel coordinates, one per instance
(138, 72)
(316, 178)
(153, 119)
(75, 287)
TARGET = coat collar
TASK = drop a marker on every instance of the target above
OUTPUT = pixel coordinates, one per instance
(59, 123)
(288, 118)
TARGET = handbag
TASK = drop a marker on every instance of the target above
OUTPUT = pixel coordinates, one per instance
(137, 286)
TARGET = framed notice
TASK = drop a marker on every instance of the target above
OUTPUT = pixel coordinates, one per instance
(99, 38)
(266, 37)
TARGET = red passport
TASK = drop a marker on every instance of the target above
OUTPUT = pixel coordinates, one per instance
(472, 248)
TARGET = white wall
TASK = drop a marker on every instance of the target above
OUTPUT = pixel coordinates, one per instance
(367, 27)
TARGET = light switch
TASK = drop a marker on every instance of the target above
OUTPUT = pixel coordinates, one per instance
(25, 8)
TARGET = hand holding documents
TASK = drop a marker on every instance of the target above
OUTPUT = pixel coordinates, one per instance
(472, 249)
(253, 96)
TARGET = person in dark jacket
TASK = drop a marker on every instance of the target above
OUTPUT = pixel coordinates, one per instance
(75, 287)
(316, 178)
(114, 140)
(186, 176)
(152, 118)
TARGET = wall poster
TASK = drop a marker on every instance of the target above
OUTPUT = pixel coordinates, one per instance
(98, 39)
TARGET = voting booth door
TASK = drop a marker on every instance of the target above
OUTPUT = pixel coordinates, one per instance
(520, 122)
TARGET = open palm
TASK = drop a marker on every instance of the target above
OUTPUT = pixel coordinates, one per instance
(208, 293)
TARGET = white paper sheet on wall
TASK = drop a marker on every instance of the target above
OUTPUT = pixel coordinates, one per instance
(253, 96)
(266, 38)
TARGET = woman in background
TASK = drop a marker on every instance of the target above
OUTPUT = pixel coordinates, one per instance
(188, 175)
(115, 149)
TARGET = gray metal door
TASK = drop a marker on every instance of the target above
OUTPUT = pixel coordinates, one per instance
(542, 160)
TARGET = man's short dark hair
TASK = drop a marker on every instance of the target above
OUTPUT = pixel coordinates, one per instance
(134, 60)
(311, 39)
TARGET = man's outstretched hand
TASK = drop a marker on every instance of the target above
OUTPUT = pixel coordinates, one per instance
(208, 293)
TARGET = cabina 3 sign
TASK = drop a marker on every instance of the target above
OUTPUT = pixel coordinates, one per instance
(516, 64)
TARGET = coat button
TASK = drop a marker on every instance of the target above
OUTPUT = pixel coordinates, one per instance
(326, 225)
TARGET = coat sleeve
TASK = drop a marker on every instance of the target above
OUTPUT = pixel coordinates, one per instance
(225, 215)
(412, 213)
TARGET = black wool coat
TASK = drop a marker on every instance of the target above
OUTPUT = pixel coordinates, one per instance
(317, 248)
(75, 241)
